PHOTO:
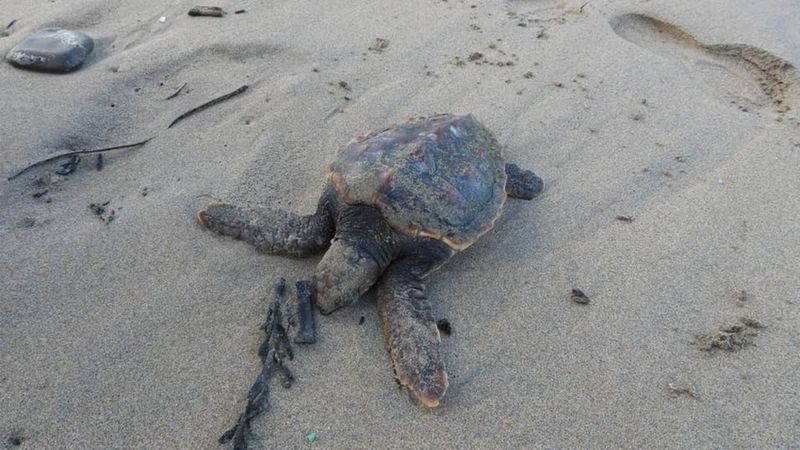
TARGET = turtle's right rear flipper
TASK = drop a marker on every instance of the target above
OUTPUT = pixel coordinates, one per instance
(412, 337)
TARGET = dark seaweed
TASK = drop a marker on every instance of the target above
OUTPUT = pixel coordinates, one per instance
(273, 350)
(69, 166)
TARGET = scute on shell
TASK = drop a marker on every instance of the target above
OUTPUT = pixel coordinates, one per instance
(441, 177)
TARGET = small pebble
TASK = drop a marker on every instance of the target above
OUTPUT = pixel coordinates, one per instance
(51, 50)
(578, 296)
(162, 19)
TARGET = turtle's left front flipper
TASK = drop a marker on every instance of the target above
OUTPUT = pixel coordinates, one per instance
(270, 230)
(409, 328)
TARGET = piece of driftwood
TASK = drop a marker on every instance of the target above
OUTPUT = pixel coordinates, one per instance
(207, 11)
(75, 153)
(209, 104)
(306, 333)
(273, 350)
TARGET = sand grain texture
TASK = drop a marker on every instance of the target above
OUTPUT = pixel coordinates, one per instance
(142, 332)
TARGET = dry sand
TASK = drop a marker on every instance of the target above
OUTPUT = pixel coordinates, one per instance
(142, 333)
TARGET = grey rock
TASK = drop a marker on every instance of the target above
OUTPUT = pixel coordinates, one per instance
(51, 50)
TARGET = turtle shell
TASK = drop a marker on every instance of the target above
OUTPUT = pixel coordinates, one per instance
(441, 177)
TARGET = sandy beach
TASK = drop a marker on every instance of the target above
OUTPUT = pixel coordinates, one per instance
(668, 137)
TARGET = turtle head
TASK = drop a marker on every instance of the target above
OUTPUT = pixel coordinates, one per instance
(522, 183)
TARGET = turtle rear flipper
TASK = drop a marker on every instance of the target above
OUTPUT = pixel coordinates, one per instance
(412, 337)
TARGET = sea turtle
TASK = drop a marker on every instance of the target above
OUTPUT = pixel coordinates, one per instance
(397, 204)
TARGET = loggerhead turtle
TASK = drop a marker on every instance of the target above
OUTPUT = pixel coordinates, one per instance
(396, 205)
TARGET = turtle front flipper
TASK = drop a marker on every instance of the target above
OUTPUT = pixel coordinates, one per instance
(271, 231)
(522, 183)
(409, 329)
(363, 247)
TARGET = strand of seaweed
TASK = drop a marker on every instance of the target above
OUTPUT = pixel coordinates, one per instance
(272, 351)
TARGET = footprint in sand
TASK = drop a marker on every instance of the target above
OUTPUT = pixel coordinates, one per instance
(747, 76)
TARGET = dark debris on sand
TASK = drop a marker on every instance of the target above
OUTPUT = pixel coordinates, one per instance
(306, 333)
(579, 297)
(207, 11)
(444, 326)
(209, 104)
(101, 210)
(74, 159)
(731, 337)
(275, 348)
